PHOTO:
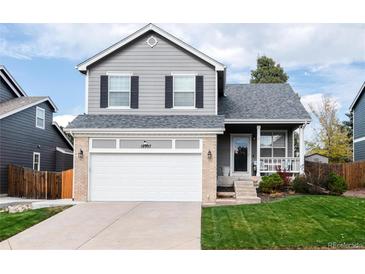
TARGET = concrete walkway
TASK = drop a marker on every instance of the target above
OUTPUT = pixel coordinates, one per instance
(117, 225)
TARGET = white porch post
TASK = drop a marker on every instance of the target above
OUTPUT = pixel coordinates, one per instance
(301, 149)
(258, 144)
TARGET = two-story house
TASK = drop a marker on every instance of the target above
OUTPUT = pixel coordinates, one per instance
(28, 135)
(357, 109)
(161, 124)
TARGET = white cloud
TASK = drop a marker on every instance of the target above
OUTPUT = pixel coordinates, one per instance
(311, 100)
(71, 41)
(63, 120)
(236, 45)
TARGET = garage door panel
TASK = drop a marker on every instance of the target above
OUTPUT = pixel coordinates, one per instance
(146, 177)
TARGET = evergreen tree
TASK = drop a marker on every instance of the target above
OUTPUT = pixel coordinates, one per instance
(268, 71)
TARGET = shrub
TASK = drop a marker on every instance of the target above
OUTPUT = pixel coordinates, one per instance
(300, 184)
(270, 183)
(284, 175)
(336, 184)
(308, 184)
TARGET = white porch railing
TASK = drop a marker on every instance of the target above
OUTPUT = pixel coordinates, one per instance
(273, 164)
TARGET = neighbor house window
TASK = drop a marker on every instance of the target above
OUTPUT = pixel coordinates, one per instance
(119, 90)
(273, 144)
(184, 91)
(40, 118)
(36, 161)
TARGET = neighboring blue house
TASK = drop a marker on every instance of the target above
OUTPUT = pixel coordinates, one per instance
(358, 110)
(28, 135)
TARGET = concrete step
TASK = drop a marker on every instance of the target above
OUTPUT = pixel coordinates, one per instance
(226, 201)
(244, 187)
(243, 183)
(222, 194)
(243, 195)
(246, 192)
(251, 200)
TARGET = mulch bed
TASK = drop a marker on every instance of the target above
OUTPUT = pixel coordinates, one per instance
(265, 197)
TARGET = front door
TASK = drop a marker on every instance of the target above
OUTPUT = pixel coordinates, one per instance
(241, 155)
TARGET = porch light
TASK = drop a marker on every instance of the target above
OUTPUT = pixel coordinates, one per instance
(209, 154)
(81, 154)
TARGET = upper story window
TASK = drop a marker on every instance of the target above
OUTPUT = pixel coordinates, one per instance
(273, 144)
(40, 118)
(184, 91)
(119, 90)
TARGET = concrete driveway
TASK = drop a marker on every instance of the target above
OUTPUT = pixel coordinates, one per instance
(117, 225)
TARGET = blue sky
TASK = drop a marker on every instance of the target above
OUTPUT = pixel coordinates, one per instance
(321, 59)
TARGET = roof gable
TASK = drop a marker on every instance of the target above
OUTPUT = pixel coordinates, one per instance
(358, 95)
(82, 67)
(16, 105)
(10, 81)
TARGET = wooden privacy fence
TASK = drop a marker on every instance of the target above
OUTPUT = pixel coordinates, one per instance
(29, 183)
(353, 173)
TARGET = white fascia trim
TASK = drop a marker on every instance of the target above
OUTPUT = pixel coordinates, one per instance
(63, 134)
(83, 66)
(146, 130)
(87, 92)
(359, 139)
(357, 97)
(10, 84)
(28, 106)
(266, 121)
(13, 82)
(60, 149)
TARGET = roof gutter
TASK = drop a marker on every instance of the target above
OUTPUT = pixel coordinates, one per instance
(145, 130)
(267, 121)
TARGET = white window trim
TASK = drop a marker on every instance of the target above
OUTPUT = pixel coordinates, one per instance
(44, 117)
(173, 149)
(125, 74)
(39, 160)
(272, 147)
(249, 154)
(173, 90)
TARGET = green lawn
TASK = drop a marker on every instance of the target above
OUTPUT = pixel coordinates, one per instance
(296, 222)
(11, 224)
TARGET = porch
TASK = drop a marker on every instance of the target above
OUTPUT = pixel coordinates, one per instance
(245, 152)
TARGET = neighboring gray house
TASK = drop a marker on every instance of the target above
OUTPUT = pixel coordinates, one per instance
(161, 124)
(28, 135)
(358, 110)
(317, 158)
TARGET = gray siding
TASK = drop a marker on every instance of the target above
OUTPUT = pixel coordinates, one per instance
(151, 65)
(5, 92)
(19, 138)
(359, 151)
(359, 117)
(63, 161)
(223, 143)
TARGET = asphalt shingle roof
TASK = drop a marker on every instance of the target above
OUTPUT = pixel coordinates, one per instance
(20, 102)
(261, 101)
(147, 121)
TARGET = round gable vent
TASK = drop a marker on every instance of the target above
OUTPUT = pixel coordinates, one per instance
(152, 41)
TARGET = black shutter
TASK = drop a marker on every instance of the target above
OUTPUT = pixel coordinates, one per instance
(168, 92)
(103, 91)
(199, 91)
(134, 91)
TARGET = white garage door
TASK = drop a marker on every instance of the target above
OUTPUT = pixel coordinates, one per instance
(146, 177)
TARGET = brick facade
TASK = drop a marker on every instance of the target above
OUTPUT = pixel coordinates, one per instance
(209, 170)
(80, 188)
